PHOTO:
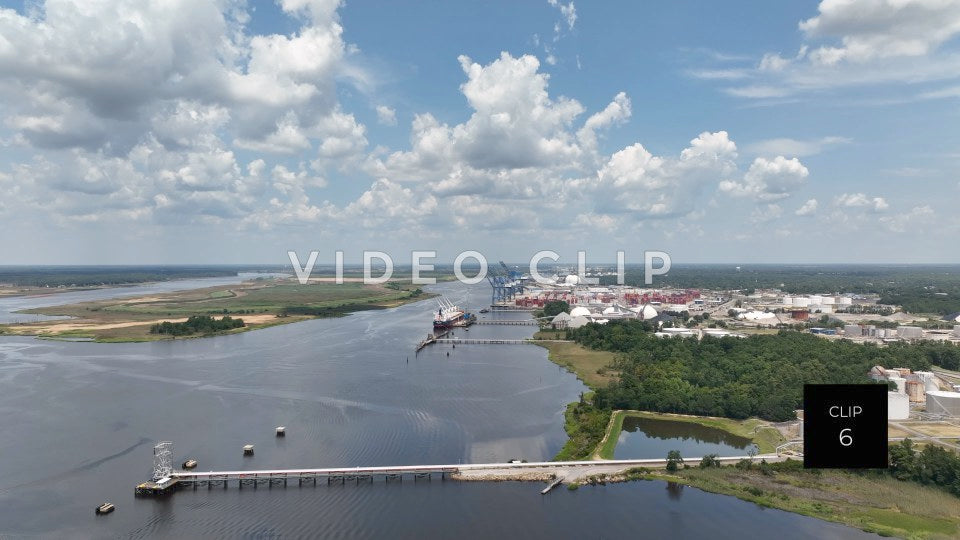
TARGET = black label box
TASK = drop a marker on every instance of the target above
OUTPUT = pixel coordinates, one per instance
(845, 426)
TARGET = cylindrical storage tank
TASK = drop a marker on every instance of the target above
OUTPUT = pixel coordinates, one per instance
(898, 406)
(852, 330)
(846, 300)
(816, 299)
(946, 403)
(900, 382)
(910, 332)
(801, 301)
(929, 382)
(915, 391)
(788, 300)
(829, 300)
(956, 330)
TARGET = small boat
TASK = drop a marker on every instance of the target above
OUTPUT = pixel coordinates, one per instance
(190, 464)
(248, 449)
(104, 508)
(281, 431)
(484, 310)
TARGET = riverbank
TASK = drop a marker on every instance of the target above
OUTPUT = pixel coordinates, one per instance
(590, 366)
(261, 303)
(870, 501)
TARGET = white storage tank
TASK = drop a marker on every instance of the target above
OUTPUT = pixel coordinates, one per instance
(898, 406)
(900, 382)
(788, 300)
(947, 403)
(829, 300)
(846, 301)
(801, 301)
(816, 299)
(956, 330)
(929, 380)
(910, 332)
(852, 330)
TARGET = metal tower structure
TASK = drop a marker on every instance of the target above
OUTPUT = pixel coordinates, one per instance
(506, 283)
(162, 460)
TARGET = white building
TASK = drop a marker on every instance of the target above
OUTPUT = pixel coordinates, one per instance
(947, 403)
(909, 332)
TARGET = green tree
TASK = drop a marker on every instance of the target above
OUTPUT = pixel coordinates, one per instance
(674, 460)
(555, 307)
(709, 461)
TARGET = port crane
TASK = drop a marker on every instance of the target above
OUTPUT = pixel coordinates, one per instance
(506, 283)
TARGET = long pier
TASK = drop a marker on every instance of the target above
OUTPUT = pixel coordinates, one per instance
(563, 470)
(524, 322)
(482, 341)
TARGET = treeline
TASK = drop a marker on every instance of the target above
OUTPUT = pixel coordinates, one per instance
(933, 465)
(198, 324)
(923, 300)
(760, 376)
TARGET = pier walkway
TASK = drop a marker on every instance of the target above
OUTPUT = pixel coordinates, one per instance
(471, 341)
(525, 322)
(565, 470)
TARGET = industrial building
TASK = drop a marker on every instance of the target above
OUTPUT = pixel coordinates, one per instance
(944, 403)
(909, 332)
(912, 387)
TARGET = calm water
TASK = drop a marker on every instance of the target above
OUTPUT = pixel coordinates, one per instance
(78, 421)
(652, 438)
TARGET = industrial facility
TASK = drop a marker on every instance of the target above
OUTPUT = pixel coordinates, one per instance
(920, 389)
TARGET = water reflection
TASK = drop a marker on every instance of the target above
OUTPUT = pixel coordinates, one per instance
(653, 438)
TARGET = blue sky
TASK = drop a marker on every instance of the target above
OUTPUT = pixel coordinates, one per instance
(229, 132)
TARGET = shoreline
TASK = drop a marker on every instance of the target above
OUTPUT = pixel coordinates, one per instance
(872, 503)
(128, 319)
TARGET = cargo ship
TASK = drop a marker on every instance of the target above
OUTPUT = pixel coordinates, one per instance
(451, 316)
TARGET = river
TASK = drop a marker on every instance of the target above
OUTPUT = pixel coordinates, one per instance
(79, 421)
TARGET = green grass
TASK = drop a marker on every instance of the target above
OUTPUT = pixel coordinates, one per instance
(261, 297)
(590, 366)
(265, 300)
(871, 502)
(609, 444)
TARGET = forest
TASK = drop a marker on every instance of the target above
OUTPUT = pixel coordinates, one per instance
(760, 376)
(198, 324)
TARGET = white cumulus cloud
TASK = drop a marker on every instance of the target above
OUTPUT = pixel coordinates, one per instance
(768, 179)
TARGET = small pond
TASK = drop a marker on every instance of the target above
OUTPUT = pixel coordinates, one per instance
(653, 438)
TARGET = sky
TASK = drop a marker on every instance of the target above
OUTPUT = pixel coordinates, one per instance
(225, 131)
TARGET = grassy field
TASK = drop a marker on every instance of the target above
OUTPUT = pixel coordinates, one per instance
(869, 501)
(260, 303)
(766, 438)
(590, 366)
